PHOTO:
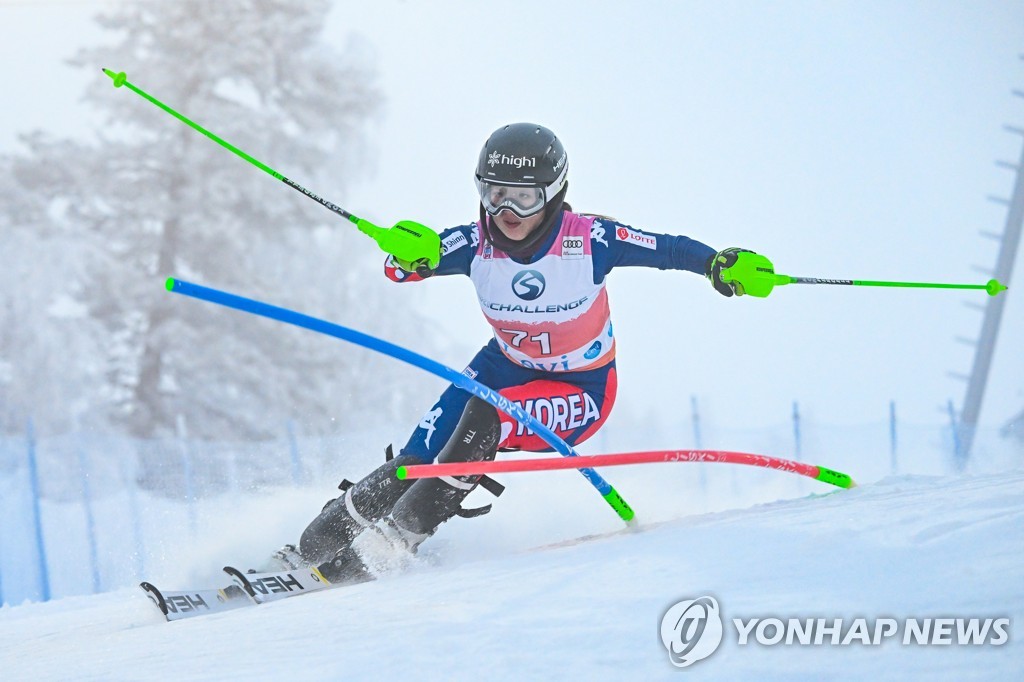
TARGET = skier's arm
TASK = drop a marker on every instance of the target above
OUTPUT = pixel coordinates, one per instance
(456, 255)
(616, 245)
(626, 246)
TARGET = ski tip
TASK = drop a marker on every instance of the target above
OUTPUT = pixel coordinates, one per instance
(154, 594)
(169, 283)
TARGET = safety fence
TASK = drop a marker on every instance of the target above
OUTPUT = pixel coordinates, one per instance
(86, 513)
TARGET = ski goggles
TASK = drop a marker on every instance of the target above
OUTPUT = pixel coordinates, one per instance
(521, 200)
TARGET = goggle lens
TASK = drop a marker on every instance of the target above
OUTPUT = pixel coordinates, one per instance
(523, 201)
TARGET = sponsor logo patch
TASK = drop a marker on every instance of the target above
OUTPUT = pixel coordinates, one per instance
(572, 248)
(428, 423)
(528, 285)
(624, 234)
(453, 242)
(558, 164)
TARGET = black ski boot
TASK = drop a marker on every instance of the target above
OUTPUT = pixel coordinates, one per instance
(360, 506)
(429, 502)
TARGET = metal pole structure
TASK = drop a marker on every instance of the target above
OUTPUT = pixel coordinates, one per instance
(993, 313)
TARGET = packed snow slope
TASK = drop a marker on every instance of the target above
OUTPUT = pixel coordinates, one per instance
(479, 605)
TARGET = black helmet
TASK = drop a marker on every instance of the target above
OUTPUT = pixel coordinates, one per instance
(523, 167)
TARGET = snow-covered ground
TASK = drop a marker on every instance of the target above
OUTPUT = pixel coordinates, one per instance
(485, 603)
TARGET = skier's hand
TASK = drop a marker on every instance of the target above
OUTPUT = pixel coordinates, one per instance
(411, 243)
(421, 267)
(738, 272)
(723, 260)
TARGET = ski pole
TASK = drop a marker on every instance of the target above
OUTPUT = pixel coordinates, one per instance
(818, 473)
(248, 305)
(756, 274)
(407, 240)
(992, 287)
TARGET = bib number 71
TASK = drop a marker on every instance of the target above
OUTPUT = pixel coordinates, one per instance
(518, 336)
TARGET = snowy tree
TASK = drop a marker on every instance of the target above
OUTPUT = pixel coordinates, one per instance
(102, 224)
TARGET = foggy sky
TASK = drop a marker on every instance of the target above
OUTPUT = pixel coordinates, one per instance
(841, 139)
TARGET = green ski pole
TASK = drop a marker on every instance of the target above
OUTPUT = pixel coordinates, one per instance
(756, 274)
(407, 240)
(992, 287)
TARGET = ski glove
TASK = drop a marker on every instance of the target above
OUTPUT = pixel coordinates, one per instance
(421, 266)
(722, 260)
(742, 272)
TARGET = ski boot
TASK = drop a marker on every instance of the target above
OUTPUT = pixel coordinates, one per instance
(389, 543)
(360, 505)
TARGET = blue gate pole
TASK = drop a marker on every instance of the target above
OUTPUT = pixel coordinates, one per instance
(1, 571)
(33, 476)
(133, 510)
(293, 447)
(610, 495)
(1, 575)
(892, 437)
(90, 518)
(796, 430)
(957, 455)
(695, 416)
(186, 464)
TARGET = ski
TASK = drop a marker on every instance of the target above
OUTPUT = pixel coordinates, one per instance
(181, 604)
(249, 589)
(274, 585)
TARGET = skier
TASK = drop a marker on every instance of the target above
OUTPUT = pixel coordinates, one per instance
(539, 270)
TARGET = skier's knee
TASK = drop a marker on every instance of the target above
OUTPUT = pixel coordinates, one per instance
(476, 436)
(432, 501)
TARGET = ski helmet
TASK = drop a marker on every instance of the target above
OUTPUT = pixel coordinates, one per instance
(523, 168)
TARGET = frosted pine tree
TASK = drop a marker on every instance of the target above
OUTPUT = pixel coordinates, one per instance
(153, 198)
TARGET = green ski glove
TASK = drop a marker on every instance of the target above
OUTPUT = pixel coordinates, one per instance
(407, 242)
(739, 272)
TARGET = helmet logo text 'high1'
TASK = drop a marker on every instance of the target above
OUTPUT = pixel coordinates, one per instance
(494, 158)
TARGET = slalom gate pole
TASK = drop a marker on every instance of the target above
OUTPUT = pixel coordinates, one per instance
(611, 496)
(407, 240)
(818, 473)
